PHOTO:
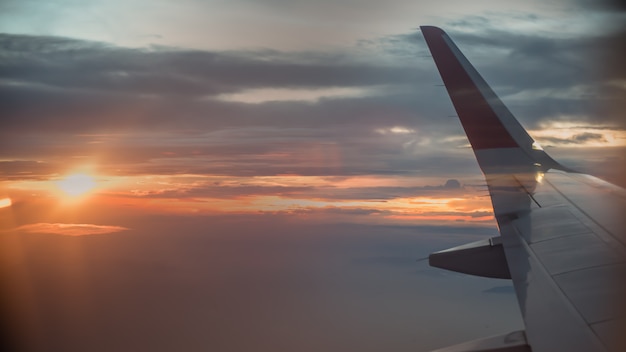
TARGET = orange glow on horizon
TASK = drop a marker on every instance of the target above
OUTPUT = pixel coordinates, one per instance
(311, 197)
(441, 218)
(431, 209)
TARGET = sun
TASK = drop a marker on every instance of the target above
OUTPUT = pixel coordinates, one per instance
(76, 184)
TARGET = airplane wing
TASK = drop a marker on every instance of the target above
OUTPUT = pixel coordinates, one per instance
(562, 238)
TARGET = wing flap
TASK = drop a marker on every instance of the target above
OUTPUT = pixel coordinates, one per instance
(481, 258)
(509, 342)
(552, 322)
(567, 266)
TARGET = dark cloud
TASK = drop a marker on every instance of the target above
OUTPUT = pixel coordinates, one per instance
(547, 71)
(452, 184)
(80, 85)
(580, 138)
(73, 64)
(587, 137)
(210, 189)
(152, 106)
(545, 74)
(610, 5)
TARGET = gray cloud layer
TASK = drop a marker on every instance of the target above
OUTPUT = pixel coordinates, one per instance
(71, 74)
(159, 104)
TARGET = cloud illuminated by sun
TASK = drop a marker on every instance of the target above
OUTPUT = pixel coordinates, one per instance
(70, 229)
(76, 184)
(5, 202)
(572, 134)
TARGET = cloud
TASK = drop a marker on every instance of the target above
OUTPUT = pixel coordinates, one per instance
(89, 86)
(70, 229)
(452, 184)
(581, 138)
(551, 69)
(25, 170)
(62, 63)
(5, 202)
(310, 187)
(160, 110)
(610, 5)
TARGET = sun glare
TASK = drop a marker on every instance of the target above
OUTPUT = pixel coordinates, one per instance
(76, 184)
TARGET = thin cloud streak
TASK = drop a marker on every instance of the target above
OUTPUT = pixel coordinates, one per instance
(69, 229)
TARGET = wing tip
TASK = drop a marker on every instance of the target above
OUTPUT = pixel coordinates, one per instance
(432, 30)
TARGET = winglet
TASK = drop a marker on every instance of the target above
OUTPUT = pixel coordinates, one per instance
(488, 123)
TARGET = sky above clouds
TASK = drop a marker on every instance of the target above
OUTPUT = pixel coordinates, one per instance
(270, 170)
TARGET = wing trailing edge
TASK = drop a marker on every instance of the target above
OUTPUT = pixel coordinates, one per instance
(509, 342)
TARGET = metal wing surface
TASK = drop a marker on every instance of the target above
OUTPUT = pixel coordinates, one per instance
(562, 238)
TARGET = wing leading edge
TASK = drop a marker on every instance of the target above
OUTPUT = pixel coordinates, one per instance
(562, 238)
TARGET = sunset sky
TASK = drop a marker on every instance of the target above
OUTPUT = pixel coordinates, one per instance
(228, 175)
